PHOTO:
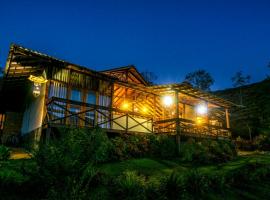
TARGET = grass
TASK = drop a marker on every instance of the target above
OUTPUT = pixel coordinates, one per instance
(153, 168)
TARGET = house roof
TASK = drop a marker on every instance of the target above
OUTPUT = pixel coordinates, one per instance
(22, 55)
(188, 89)
(130, 68)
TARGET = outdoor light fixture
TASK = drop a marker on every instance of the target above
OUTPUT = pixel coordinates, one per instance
(36, 89)
(37, 81)
(125, 106)
(201, 109)
(167, 100)
(199, 120)
(145, 109)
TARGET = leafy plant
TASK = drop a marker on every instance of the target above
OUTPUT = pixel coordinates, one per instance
(4, 153)
(130, 185)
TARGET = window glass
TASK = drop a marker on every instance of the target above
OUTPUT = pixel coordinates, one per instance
(91, 98)
(75, 95)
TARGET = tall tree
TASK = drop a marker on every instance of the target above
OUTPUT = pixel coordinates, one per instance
(200, 79)
(239, 80)
(1, 71)
(150, 77)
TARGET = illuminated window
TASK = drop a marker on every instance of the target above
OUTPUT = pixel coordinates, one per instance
(91, 97)
(75, 95)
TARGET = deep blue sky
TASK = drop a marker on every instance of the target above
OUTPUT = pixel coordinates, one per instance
(170, 38)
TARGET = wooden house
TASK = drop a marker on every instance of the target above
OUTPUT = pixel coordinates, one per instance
(40, 92)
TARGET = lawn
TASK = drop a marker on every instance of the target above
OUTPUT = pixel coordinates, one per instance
(11, 171)
(153, 168)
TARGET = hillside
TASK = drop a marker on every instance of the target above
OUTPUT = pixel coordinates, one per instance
(254, 117)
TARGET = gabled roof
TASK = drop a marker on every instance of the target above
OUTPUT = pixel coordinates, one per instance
(131, 69)
(22, 54)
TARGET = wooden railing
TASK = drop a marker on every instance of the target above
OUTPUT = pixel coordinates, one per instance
(190, 128)
(72, 113)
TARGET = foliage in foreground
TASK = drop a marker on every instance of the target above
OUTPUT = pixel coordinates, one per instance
(69, 168)
(4, 153)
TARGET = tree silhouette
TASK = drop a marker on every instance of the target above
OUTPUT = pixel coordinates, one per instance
(149, 77)
(239, 80)
(200, 79)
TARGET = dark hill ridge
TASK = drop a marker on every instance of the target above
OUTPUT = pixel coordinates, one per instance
(254, 117)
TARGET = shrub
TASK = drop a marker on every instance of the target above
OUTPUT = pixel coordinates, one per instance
(207, 151)
(155, 188)
(130, 185)
(250, 172)
(66, 166)
(120, 151)
(162, 146)
(174, 186)
(4, 153)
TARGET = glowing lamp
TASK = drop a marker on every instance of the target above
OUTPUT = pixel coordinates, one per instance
(125, 106)
(167, 100)
(37, 80)
(201, 109)
(36, 89)
(145, 109)
(199, 120)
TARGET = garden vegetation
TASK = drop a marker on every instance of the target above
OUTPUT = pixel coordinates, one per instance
(85, 164)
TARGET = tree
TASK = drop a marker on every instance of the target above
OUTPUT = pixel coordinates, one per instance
(150, 77)
(1, 71)
(239, 80)
(200, 79)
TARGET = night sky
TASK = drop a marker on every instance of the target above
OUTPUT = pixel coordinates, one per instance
(170, 38)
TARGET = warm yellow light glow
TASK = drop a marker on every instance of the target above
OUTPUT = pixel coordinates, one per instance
(36, 89)
(167, 100)
(125, 106)
(199, 120)
(201, 109)
(37, 79)
(145, 109)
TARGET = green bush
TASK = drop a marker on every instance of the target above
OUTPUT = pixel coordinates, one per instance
(130, 185)
(207, 151)
(162, 146)
(120, 151)
(4, 153)
(174, 186)
(66, 166)
(250, 172)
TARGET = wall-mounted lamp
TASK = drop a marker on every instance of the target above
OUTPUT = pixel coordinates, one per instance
(37, 81)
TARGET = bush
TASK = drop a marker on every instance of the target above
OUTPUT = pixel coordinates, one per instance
(130, 185)
(66, 166)
(174, 186)
(207, 151)
(162, 146)
(250, 172)
(4, 153)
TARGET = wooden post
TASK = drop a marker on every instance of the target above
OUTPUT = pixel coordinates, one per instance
(178, 128)
(227, 118)
(111, 105)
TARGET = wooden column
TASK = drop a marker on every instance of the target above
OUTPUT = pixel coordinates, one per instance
(227, 118)
(178, 128)
(111, 105)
